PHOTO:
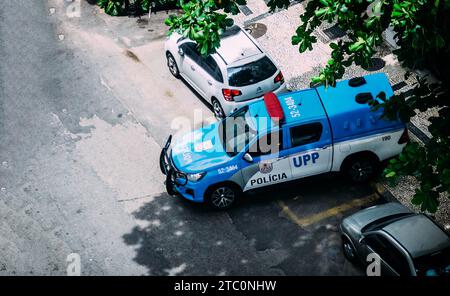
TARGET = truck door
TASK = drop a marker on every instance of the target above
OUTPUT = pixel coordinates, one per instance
(311, 149)
(267, 167)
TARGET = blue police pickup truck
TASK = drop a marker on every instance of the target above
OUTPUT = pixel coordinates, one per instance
(279, 139)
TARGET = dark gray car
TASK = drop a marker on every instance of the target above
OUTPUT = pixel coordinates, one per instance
(407, 243)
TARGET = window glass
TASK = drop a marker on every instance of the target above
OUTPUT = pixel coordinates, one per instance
(236, 131)
(389, 253)
(210, 66)
(305, 134)
(437, 263)
(251, 73)
(190, 49)
(267, 144)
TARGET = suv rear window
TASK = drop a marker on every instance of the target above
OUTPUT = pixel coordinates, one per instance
(251, 73)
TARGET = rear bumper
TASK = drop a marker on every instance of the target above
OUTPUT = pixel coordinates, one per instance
(230, 107)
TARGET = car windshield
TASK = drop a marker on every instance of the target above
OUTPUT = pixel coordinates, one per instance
(437, 263)
(251, 73)
(236, 131)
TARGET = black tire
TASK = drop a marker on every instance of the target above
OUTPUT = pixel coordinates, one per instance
(361, 169)
(222, 197)
(169, 183)
(172, 65)
(217, 109)
(349, 250)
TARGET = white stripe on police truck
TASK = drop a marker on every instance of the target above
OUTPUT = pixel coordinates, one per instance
(270, 172)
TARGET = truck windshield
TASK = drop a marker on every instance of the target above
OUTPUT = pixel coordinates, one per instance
(251, 73)
(236, 131)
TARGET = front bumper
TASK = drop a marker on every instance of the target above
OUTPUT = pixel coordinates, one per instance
(176, 181)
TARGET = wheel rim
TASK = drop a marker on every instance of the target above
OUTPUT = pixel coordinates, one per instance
(223, 197)
(348, 250)
(218, 112)
(361, 171)
(172, 65)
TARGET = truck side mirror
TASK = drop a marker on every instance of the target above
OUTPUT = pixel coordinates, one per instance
(180, 51)
(248, 158)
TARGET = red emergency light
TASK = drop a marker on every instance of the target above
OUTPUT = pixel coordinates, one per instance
(273, 107)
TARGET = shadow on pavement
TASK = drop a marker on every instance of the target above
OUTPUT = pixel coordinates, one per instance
(175, 237)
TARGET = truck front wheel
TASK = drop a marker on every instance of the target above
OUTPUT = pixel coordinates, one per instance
(222, 197)
(360, 169)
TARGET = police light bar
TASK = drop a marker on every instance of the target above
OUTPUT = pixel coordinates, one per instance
(273, 107)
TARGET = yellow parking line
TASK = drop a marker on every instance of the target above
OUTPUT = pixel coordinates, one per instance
(306, 221)
(377, 187)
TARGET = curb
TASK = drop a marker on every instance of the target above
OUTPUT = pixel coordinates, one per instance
(383, 192)
(381, 189)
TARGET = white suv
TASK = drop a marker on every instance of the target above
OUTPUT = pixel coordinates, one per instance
(230, 78)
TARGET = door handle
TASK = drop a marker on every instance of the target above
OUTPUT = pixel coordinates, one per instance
(192, 68)
(209, 82)
(321, 148)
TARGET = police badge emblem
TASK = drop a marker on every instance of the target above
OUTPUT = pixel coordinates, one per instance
(265, 167)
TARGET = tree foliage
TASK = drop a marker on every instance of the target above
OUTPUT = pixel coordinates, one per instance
(121, 7)
(201, 22)
(112, 7)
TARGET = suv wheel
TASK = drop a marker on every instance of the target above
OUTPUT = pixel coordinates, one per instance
(222, 197)
(218, 110)
(173, 68)
(349, 250)
(361, 169)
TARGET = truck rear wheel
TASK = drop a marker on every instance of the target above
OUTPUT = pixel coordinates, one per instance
(360, 169)
(222, 197)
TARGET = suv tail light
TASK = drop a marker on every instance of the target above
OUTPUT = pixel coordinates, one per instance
(404, 138)
(229, 94)
(279, 78)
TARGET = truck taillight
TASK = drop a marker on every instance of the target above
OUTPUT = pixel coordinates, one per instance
(229, 94)
(279, 78)
(404, 138)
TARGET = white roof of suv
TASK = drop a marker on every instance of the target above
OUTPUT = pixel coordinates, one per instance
(235, 45)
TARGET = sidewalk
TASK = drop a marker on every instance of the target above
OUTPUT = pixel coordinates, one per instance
(298, 68)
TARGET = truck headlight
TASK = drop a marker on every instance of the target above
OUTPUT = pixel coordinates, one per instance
(195, 177)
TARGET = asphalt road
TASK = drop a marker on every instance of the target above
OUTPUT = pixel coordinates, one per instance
(85, 105)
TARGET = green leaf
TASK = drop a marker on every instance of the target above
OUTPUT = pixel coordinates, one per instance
(229, 22)
(391, 174)
(418, 198)
(316, 79)
(321, 12)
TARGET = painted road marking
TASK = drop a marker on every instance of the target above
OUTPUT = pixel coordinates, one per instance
(306, 221)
